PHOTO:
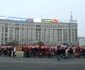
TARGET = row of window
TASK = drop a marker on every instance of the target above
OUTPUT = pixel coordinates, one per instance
(43, 26)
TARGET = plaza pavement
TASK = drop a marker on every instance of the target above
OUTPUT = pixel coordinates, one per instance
(9, 63)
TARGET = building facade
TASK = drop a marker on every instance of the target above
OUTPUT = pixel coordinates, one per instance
(31, 32)
(81, 41)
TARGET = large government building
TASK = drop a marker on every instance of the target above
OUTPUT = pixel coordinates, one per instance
(30, 31)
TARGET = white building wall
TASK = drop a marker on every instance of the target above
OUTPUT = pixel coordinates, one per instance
(26, 33)
(81, 41)
(0, 34)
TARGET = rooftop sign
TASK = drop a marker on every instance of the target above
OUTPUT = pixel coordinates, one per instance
(37, 20)
(29, 20)
(3, 17)
(13, 18)
(46, 20)
(54, 21)
(16, 18)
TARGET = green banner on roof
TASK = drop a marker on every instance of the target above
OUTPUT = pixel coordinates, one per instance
(46, 20)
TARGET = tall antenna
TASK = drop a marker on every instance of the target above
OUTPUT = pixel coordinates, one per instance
(71, 17)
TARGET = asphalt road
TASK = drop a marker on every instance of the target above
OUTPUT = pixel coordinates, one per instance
(8, 63)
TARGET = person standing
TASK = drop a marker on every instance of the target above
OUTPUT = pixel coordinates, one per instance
(63, 53)
(71, 54)
(27, 51)
(66, 52)
(0, 51)
(58, 53)
(83, 51)
(14, 50)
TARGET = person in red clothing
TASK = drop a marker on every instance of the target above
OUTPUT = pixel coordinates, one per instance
(78, 51)
(27, 51)
(47, 51)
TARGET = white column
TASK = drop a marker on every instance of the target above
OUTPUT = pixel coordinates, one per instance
(0, 35)
(62, 36)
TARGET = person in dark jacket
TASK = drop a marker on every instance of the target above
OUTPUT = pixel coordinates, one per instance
(63, 53)
(83, 52)
(58, 53)
(71, 53)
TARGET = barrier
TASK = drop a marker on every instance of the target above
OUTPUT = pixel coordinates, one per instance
(19, 54)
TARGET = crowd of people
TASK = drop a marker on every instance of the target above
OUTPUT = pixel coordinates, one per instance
(54, 51)
(5, 51)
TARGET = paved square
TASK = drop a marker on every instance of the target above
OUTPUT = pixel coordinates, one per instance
(8, 63)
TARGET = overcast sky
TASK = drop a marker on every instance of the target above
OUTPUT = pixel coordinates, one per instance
(59, 9)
